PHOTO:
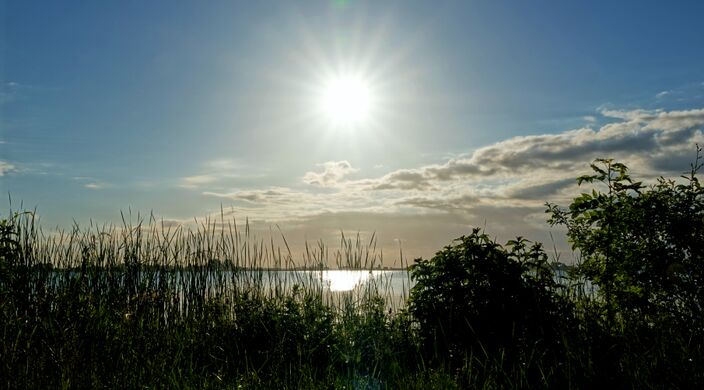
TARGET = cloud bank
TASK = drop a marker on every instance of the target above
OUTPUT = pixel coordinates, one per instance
(502, 186)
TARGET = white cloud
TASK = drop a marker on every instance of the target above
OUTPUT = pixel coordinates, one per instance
(402, 179)
(215, 172)
(662, 94)
(6, 167)
(94, 186)
(333, 172)
(196, 181)
(221, 164)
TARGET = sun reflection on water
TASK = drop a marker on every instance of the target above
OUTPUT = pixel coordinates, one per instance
(343, 280)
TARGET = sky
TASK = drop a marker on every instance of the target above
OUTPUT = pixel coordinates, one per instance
(476, 112)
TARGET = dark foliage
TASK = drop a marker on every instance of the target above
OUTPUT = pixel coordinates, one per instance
(643, 247)
(476, 300)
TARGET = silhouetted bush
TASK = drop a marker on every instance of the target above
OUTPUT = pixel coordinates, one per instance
(643, 247)
(478, 300)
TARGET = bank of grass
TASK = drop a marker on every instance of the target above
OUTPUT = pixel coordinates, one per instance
(146, 306)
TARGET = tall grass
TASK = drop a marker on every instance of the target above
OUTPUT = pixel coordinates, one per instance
(145, 305)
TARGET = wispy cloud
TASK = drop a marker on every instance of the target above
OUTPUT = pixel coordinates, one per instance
(269, 197)
(6, 167)
(214, 172)
(8, 92)
(90, 183)
(13, 91)
(221, 165)
(94, 186)
(197, 180)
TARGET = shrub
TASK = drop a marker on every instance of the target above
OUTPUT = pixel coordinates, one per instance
(642, 246)
(476, 298)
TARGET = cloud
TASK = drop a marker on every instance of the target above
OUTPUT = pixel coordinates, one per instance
(662, 94)
(94, 186)
(540, 191)
(8, 92)
(196, 181)
(221, 164)
(6, 167)
(169, 223)
(503, 185)
(519, 171)
(276, 195)
(333, 172)
(89, 182)
(639, 134)
(674, 120)
(215, 173)
(404, 179)
(12, 91)
(464, 202)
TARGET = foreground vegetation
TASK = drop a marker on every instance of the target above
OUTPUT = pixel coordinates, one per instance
(148, 306)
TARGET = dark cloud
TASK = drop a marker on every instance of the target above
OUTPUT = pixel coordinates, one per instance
(465, 202)
(541, 192)
(279, 195)
(403, 179)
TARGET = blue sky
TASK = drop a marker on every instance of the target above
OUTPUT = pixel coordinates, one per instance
(484, 109)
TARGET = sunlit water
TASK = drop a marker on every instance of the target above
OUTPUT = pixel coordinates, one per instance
(393, 284)
(338, 287)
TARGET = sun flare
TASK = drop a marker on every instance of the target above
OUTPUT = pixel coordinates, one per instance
(346, 100)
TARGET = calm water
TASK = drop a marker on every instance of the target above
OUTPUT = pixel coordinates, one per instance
(336, 285)
(348, 280)
(394, 284)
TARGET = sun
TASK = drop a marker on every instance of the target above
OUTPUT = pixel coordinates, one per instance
(346, 100)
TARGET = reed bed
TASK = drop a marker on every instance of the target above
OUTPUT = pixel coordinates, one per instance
(145, 305)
